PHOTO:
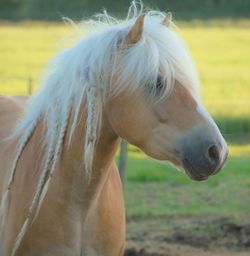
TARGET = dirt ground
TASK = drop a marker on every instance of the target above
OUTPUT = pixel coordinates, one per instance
(188, 237)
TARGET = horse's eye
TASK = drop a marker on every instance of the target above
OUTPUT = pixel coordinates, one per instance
(159, 84)
(156, 87)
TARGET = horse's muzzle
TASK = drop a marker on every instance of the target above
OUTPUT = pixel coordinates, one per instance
(204, 156)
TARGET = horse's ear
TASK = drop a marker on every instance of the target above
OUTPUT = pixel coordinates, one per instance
(135, 33)
(167, 20)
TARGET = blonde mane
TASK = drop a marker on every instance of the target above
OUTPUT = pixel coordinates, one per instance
(85, 72)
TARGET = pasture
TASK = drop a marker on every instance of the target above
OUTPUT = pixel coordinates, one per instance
(157, 197)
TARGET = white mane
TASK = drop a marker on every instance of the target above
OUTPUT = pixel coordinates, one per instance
(85, 71)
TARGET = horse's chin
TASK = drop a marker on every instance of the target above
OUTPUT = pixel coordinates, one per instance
(191, 174)
(196, 177)
(184, 166)
(194, 174)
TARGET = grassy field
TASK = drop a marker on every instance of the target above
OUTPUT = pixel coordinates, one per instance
(221, 51)
(172, 192)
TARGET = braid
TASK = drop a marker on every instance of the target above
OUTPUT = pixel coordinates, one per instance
(42, 179)
(25, 139)
(92, 126)
(6, 197)
(57, 154)
(34, 200)
(53, 155)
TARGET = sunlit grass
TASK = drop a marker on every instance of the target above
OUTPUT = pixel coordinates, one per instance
(223, 60)
(221, 53)
(240, 150)
(25, 49)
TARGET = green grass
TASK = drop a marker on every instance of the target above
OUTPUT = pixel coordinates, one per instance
(221, 51)
(161, 190)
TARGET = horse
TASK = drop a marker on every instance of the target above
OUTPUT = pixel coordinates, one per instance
(134, 79)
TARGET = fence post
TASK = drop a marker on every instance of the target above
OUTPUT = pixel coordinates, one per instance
(30, 86)
(123, 161)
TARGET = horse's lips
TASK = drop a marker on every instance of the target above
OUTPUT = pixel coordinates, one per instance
(191, 172)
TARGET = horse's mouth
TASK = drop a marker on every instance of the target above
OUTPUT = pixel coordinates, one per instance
(192, 172)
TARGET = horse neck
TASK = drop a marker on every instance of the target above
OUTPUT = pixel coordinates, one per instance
(72, 171)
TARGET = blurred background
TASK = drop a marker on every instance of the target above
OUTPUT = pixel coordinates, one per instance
(167, 213)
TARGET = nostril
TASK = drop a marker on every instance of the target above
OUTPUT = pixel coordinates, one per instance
(213, 154)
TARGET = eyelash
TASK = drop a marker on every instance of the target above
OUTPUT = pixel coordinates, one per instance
(159, 84)
(157, 87)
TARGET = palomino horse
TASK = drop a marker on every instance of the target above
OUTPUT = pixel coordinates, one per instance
(59, 187)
